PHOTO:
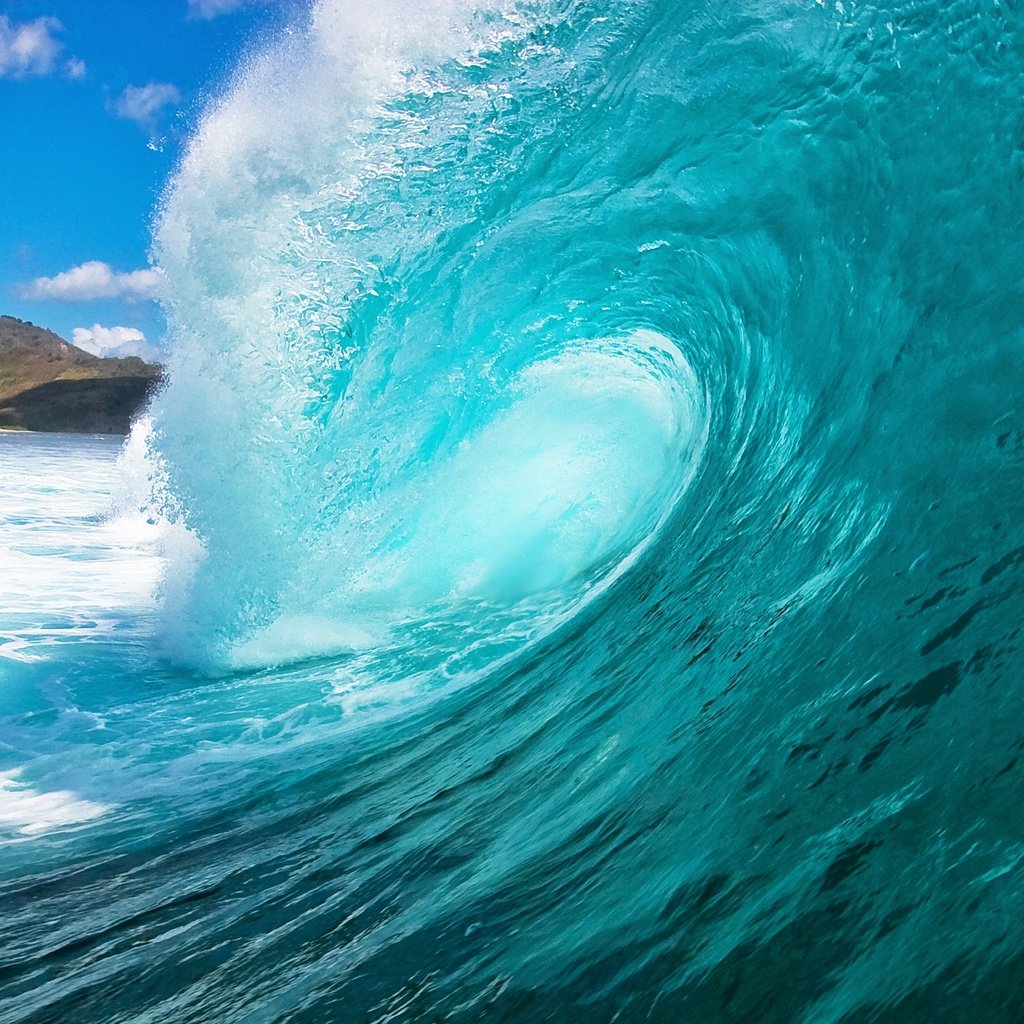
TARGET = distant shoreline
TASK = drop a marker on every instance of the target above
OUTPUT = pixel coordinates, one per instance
(25, 432)
(49, 386)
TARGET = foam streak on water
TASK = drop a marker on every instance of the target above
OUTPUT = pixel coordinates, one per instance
(573, 572)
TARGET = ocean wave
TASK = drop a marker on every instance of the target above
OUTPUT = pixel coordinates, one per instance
(589, 483)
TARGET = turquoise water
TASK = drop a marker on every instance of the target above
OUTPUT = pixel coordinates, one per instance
(574, 570)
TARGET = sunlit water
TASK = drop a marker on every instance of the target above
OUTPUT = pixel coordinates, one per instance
(573, 572)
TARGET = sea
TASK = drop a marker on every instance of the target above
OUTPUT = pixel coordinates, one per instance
(573, 569)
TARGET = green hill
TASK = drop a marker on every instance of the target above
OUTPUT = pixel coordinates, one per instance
(46, 383)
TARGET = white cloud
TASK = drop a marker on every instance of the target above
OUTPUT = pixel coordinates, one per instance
(115, 341)
(95, 280)
(144, 104)
(211, 8)
(31, 49)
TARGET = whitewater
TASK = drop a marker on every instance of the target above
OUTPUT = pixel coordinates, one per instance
(572, 571)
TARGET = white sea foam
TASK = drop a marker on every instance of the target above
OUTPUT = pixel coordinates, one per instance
(68, 564)
(26, 812)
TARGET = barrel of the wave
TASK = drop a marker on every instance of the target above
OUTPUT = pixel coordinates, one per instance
(404, 425)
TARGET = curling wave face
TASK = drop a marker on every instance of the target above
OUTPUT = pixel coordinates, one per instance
(588, 500)
(404, 409)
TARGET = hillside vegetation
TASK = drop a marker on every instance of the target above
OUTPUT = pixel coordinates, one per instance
(46, 383)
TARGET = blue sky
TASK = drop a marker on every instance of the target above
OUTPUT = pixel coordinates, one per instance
(96, 100)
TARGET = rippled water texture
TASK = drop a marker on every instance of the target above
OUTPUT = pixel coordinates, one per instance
(580, 578)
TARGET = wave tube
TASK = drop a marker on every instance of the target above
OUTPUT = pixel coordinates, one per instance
(396, 391)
